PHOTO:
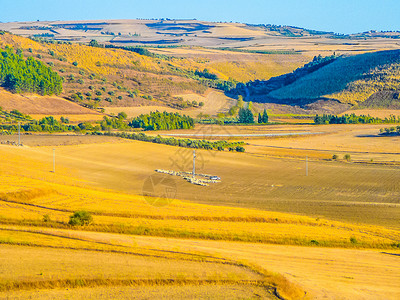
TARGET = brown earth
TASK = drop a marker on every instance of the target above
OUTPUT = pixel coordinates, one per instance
(34, 104)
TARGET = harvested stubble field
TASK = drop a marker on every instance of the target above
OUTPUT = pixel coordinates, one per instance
(270, 176)
(122, 251)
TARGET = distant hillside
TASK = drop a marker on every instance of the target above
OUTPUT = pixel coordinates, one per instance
(348, 79)
(176, 33)
(105, 77)
(98, 77)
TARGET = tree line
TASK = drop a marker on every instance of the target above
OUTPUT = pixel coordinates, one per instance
(187, 143)
(30, 75)
(46, 124)
(162, 121)
(354, 119)
(246, 116)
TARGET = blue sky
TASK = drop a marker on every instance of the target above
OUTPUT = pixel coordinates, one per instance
(342, 16)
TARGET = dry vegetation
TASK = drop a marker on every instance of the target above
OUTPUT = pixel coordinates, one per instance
(128, 234)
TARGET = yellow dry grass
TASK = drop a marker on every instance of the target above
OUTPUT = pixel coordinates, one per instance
(323, 273)
(27, 263)
(30, 199)
(28, 191)
(214, 102)
(261, 68)
(42, 105)
(103, 61)
(212, 291)
(273, 176)
(73, 118)
(19, 42)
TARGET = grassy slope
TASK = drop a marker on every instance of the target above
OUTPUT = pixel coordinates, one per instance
(349, 79)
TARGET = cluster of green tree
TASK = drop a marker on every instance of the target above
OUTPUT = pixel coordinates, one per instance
(14, 115)
(245, 116)
(263, 118)
(6, 132)
(224, 85)
(162, 121)
(114, 123)
(390, 131)
(205, 74)
(138, 50)
(354, 119)
(47, 124)
(187, 143)
(87, 126)
(181, 103)
(30, 75)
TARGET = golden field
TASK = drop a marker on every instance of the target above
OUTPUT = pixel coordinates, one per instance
(331, 234)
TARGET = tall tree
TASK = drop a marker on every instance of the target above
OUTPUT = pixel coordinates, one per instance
(264, 116)
(245, 116)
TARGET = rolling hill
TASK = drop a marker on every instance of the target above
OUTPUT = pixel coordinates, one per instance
(346, 79)
(115, 75)
(100, 78)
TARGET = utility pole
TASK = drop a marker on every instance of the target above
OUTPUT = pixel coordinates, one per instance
(306, 165)
(54, 160)
(194, 163)
(19, 133)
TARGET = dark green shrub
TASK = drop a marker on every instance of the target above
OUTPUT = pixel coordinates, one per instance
(80, 218)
